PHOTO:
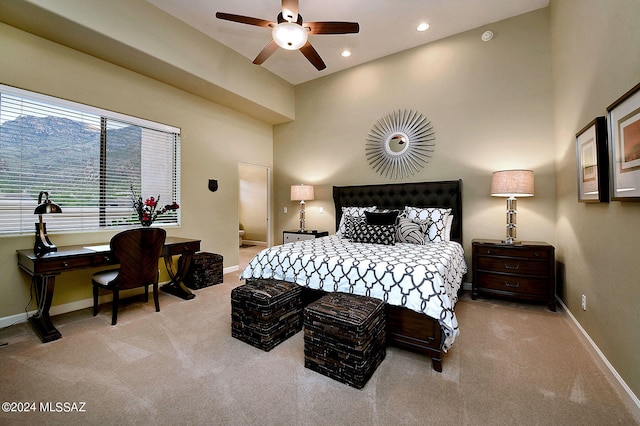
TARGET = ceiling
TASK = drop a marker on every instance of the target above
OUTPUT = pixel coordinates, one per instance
(386, 27)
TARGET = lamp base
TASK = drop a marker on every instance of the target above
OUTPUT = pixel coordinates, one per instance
(301, 217)
(43, 245)
(511, 221)
(511, 242)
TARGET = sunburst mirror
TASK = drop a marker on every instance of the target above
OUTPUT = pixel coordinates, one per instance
(400, 143)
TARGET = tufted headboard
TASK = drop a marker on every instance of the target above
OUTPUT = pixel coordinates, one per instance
(397, 195)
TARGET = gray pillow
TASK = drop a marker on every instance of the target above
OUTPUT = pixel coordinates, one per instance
(412, 230)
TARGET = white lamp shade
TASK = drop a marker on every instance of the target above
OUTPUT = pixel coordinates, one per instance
(302, 192)
(512, 183)
(289, 35)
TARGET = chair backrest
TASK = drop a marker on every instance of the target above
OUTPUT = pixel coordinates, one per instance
(138, 252)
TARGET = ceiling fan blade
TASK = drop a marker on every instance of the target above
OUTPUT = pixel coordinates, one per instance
(290, 10)
(332, 27)
(245, 20)
(310, 53)
(265, 53)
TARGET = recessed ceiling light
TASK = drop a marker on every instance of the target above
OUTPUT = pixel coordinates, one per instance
(346, 53)
(423, 27)
(487, 35)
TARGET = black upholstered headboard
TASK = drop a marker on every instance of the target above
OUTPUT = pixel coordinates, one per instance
(398, 195)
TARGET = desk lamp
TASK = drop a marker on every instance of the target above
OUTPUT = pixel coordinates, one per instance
(512, 184)
(302, 193)
(43, 244)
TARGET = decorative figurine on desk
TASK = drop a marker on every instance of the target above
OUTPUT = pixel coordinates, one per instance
(43, 245)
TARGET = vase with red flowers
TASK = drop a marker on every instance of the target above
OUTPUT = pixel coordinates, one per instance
(148, 210)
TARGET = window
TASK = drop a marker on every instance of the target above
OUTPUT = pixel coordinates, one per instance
(87, 159)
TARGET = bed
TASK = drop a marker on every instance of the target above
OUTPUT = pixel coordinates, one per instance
(419, 283)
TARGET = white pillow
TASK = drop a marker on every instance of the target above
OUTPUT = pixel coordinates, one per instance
(447, 232)
(437, 218)
(351, 211)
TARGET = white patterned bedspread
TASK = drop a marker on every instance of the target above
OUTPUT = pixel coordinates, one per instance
(423, 278)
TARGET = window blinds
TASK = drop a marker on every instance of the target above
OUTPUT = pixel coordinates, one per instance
(86, 158)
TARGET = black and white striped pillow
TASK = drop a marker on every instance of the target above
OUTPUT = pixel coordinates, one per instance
(411, 230)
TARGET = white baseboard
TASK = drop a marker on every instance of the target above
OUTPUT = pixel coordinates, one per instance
(632, 401)
(255, 243)
(231, 269)
(69, 307)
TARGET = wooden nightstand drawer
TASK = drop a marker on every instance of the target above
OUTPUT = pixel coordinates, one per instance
(514, 251)
(514, 284)
(512, 265)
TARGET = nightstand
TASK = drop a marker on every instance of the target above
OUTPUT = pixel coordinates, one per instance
(525, 270)
(292, 236)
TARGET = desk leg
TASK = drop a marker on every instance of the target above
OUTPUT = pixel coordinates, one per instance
(41, 321)
(175, 286)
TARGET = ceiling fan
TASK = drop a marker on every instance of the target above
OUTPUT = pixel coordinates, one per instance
(291, 32)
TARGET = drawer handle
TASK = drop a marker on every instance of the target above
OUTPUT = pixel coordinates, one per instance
(65, 264)
(514, 268)
(107, 259)
(516, 285)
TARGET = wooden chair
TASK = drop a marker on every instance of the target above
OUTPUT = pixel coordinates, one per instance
(138, 252)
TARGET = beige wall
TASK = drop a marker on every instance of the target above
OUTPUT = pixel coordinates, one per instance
(595, 47)
(490, 106)
(214, 140)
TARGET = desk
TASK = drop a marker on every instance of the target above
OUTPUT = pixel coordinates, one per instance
(44, 269)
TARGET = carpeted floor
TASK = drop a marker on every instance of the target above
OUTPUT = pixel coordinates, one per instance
(512, 364)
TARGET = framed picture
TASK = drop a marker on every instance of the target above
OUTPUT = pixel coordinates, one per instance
(624, 143)
(593, 162)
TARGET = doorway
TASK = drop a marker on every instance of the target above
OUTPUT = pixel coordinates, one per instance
(253, 205)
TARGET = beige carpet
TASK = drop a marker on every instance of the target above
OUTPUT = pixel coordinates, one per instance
(512, 364)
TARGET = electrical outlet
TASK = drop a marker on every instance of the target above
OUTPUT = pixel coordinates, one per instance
(584, 302)
(285, 210)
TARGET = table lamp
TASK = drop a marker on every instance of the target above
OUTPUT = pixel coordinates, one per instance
(43, 244)
(302, 193)
(512, 184)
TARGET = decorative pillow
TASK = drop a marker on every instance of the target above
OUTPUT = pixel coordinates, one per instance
(447, 232)
(437, 218)
(411, 230)
(374, 234)
(352, 211)
(350, 222)
(378, 217)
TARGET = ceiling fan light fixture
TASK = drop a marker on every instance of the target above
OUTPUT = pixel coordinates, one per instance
(289, 35)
